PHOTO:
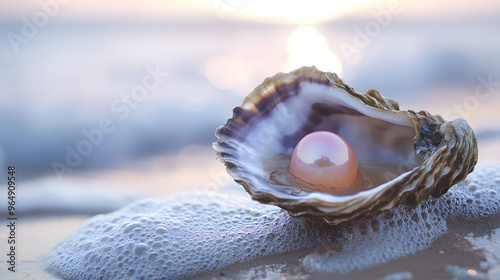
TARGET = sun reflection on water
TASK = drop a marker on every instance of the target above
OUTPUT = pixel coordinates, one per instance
(472, 272)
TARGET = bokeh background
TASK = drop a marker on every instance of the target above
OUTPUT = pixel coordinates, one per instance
(66, 65)
(69, 67)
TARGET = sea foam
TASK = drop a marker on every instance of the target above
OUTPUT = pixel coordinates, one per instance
(187, 234)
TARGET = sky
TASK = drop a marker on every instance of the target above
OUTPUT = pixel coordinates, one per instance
(280, 11)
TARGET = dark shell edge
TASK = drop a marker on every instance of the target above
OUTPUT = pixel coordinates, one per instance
(444, 146)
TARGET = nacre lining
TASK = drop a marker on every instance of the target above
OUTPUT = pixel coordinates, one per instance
(406, 156)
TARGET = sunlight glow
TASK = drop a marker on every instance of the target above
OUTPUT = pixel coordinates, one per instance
(307, 47)
(228, 73)
(302, 12)
(278, 11)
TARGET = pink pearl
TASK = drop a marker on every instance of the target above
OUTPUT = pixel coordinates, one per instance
(325, 160)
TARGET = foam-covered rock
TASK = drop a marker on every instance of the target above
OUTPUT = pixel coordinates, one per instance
(187, 234)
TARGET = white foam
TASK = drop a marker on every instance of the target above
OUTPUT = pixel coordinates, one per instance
(405, 275)
(187, 234)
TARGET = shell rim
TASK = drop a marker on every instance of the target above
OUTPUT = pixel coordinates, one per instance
(311, 205)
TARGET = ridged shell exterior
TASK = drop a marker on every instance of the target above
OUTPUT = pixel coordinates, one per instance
(448, 151)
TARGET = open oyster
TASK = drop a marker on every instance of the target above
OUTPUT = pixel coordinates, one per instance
(403, 156)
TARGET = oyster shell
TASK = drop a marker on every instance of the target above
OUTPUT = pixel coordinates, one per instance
(406, 156)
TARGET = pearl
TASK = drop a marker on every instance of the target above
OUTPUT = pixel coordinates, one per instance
(324, 160)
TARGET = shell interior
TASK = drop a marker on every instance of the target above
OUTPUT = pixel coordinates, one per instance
(397, 151)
